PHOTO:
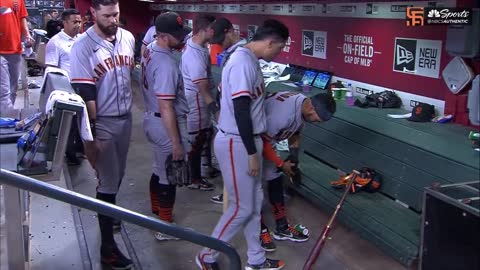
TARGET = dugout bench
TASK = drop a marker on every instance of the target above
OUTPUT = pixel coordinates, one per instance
(410, 157)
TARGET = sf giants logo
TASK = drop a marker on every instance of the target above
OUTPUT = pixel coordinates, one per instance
(415, 16)
(418, 110)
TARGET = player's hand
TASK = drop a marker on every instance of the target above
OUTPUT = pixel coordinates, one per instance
(177, 152)
(253, 165)
(288, 168)
(29, 41)
(91, 151)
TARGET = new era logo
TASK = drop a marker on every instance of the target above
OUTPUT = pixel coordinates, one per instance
(307, 43)
(404, 56)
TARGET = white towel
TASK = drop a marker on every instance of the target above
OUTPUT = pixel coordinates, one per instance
(72, 99)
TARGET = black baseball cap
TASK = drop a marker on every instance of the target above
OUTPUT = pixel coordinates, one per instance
(171, 23)
(220, 27)
(324, 105)
(422, 112)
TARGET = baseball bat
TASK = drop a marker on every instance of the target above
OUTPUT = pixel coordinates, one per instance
(312, 257)
(225, 199)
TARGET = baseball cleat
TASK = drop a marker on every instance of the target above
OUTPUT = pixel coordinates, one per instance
(266, 241)
(201, 184)
(269, 264)
(206, 266)
(217, 199)
(290, 234)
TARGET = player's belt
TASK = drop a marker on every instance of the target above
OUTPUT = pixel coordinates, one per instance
(159, 115)
(228, 133)
(156, 114)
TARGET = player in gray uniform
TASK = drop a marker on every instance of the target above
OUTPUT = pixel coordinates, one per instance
(101, 62)
(225, 35)
(198, 81)
(150, 34)
(238, 145)
(166, 111)
(286, 114)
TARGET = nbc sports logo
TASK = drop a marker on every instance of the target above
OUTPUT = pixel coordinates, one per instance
(433, 14)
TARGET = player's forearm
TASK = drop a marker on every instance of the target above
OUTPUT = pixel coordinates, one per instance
(88, 92)
(294, 144)
(241, 108)
(169, 119)
(270, 154)
(142, 49)
(205, 92)
(25, 31)
(92, 109)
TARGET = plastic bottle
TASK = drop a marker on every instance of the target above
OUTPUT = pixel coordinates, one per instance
(306, 86)
(350, 100)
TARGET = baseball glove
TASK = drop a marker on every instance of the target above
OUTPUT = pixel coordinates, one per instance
(178, 172)
(297, 178)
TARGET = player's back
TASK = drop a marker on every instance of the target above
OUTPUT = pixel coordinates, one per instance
(242, 76)
(284, 114)
(159, 68)
(194, 63)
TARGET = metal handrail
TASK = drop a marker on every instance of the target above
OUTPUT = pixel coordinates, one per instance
(80, 200)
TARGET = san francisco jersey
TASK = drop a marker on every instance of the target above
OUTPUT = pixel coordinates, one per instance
(107, 65)
(149, 36)
(195, 66)
(242, 77)
(284, 114)
(162, 80)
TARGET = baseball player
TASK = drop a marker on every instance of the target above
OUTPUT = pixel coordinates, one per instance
(238, 145)
(150, 34)
(198, 81)
(225, 35)
(165, 121)
(286, 114)
(58, 55)
(101, 61)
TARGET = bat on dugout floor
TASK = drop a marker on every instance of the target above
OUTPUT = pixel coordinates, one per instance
(312, 257)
